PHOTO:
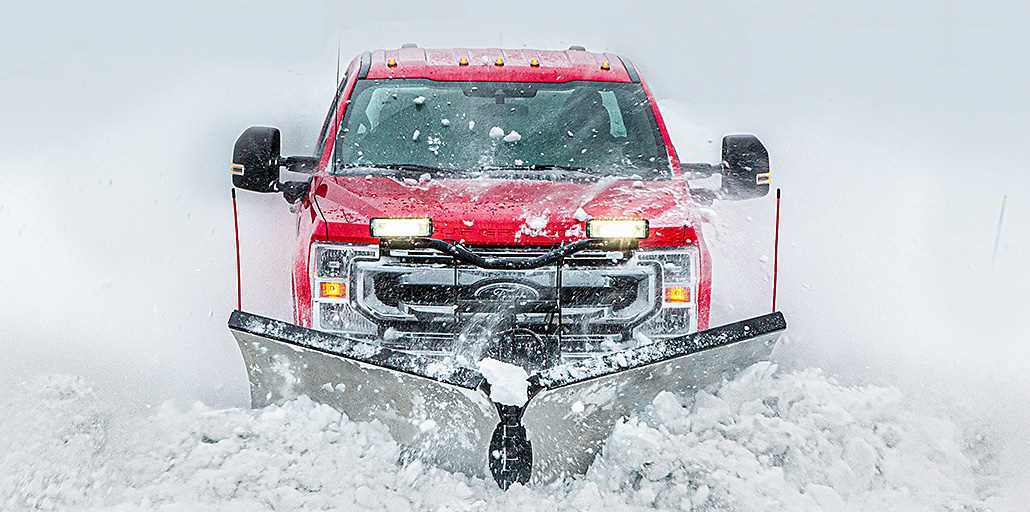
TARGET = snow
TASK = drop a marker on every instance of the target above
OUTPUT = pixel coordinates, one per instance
(536, 223)
(580, 215)
(415, 135)
(511, 137)
(419, 100)
(496, 132)
(766, 440)
(446, 122)
(509, 384)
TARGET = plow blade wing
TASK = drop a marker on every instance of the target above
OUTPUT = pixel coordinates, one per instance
(437, 416)
(444, 414)
(578, 404)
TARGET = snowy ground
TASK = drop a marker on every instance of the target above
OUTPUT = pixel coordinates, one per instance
(767, 440)
(894, 131)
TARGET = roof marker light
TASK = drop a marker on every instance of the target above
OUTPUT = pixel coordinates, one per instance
(391, 63)
(605, 66)
(535, 63)
(499, 62)
(463, 61)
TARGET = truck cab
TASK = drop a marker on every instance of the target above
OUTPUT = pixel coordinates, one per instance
(442, 176)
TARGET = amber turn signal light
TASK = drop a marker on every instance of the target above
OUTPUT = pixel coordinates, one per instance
(677, 294)
(333, 290)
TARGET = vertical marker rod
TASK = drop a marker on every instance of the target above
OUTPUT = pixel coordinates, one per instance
(776, 250)
(997, 237)
(236, 225)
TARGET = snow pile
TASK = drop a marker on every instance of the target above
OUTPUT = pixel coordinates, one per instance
(509, 384)
(794, 442)
(764, 441)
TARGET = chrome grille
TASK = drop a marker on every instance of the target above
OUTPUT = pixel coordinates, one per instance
(423, 291)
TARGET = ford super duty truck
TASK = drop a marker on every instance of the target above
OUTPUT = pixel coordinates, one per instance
(498, 255)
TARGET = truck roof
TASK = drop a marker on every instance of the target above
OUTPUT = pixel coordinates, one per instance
(499, 65)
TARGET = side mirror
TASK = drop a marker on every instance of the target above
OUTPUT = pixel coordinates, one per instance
(745, 173)
(256, 161)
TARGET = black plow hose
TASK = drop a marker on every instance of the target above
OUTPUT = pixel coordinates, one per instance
(462, 254)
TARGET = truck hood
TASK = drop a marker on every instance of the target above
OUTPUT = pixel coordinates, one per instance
(505, 212)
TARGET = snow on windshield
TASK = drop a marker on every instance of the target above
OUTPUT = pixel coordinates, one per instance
(607, 128)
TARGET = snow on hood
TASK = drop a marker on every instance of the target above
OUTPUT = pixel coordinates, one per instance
(505, 211)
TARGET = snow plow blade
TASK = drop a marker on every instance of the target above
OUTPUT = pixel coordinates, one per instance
(443, 413)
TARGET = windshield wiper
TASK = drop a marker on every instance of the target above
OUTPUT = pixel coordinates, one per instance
(397, 167)
(536, 167)
(399, 170)
(543, 171)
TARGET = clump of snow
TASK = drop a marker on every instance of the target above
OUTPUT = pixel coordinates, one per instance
(391, 334)
(468, 223)
(511, 137)
(445, 122)
(536, 223)
(472, 124)
(496, 132)
(518, 161)
(415, 135)
(580, 215)
(425, 177)
(419, 100)
(576, 231)
(509, 384)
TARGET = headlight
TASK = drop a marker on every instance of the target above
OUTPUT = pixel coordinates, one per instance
(330, 282)
(400, 227)
(617, 228)
(680, 271)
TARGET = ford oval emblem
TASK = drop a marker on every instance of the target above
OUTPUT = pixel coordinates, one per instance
(507, 291)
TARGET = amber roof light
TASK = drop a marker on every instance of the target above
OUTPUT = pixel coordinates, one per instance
(391, 63)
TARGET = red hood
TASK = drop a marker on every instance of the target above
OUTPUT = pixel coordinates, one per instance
(504, 212)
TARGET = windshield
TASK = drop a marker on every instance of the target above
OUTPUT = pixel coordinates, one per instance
(537, 130)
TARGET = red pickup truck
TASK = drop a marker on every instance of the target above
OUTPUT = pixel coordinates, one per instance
(519, 206)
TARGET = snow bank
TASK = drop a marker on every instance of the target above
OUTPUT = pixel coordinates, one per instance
(764, 441)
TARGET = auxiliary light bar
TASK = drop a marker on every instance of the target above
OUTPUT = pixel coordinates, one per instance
(382, 227)
(617, 228)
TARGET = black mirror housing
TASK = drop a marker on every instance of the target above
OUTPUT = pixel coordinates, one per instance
(255, 159)
(745, 173)
(294, 191)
